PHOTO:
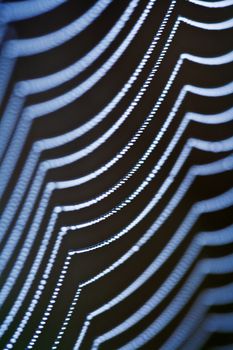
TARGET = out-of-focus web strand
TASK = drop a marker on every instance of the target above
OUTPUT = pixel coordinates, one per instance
(221, 295)
(214, 266)
(213, 323)
(213, 4)
(21, 10)
(23, 47)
